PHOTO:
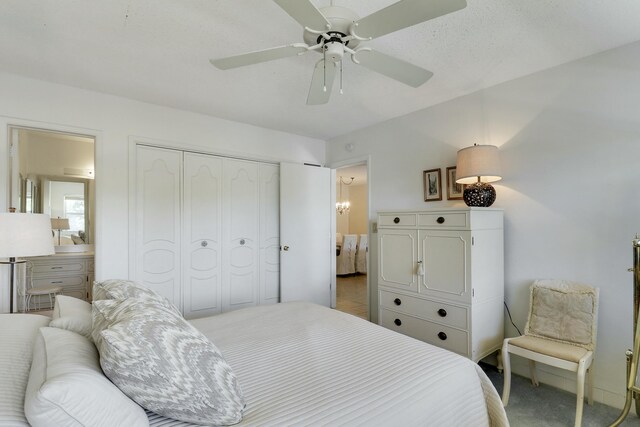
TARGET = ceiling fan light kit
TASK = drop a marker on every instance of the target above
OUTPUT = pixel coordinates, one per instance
(335, 30)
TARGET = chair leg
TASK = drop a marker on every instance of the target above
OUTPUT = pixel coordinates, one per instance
(506, 364)
(532, 372)
(580, 393)
(28, 303)
(590, 385)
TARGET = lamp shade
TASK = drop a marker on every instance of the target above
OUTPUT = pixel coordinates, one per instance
(478, 161)
(23, 235)
(60, 223)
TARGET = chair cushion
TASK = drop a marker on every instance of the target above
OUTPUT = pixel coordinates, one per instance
(166, 365)
(72, 314)
(563, 311)
(67, 387)
(44, 290)
(556, 349)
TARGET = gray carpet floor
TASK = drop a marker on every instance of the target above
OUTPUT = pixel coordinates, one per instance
(547, 406)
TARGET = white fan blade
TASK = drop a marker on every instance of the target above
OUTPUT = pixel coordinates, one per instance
(259, 56)
(322, 78)
(305, 13)
(404, 14)
(390, 66)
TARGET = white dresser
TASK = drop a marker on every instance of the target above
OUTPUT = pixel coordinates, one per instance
(73, 271)
(441, 277)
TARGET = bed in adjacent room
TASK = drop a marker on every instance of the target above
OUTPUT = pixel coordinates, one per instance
(303, 364)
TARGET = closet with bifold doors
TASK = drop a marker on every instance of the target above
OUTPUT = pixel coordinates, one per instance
(206, 230)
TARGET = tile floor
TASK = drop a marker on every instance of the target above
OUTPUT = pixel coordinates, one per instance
(351, 295)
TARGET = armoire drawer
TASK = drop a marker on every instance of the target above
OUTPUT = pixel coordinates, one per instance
(447, 314)
(433, 333)
(443, 220)
(54, 267)
(397, 220)
(67, 281)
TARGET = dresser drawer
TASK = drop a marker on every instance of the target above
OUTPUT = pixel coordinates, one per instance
(433, 333)
(443, 220)
(70, 281)
(53, 267)
(397, 220)
(450, 315)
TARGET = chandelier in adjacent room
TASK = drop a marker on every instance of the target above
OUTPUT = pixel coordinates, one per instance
(343, 206)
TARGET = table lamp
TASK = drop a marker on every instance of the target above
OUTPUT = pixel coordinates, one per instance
(477, 166)
(23, 235)
(59, 224)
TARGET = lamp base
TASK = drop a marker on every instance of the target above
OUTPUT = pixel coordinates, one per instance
(479, 194)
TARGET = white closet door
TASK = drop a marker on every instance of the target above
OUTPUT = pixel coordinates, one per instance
(269, 233)
(305, 233)
(202, 240)
(241, 243)
(158, 220)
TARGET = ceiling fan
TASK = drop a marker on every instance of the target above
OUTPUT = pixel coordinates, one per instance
(334, 31)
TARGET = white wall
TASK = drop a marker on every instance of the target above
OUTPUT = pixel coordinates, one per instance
(570, 144)
(114, 120)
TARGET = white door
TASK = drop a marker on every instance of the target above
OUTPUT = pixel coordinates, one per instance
(158, 221)
(305, 233)
(269, 233)
(241, 245)
(202, 240)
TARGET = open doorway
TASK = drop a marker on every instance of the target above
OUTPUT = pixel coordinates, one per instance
(352, 240)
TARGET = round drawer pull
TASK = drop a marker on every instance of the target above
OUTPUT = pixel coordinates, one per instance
(396, 220)
(440, 220)
(398, 322)
(397, 301)
(442, 336)
(442, 312)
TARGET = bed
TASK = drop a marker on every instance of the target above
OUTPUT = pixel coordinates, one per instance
(303, 364)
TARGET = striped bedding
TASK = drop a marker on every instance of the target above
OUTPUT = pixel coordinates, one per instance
(17, 336)
(301, 364)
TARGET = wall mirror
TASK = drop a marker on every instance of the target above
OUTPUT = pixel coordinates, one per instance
(53, 173)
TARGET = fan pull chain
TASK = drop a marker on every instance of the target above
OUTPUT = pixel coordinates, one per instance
(324, 64)
(341, 92)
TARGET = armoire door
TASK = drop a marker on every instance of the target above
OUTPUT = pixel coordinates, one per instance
(202, 235)
(158, 221)
(398, 259)
(241, 245)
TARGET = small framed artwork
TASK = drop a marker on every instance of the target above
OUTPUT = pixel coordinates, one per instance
(432, 185)
(454, 190)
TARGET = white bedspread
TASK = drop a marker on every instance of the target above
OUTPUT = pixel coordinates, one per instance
(17, 335)
(301, 364)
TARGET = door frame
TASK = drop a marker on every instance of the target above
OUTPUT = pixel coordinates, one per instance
(353, 161)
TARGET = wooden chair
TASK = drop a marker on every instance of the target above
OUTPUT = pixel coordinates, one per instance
(561, 331)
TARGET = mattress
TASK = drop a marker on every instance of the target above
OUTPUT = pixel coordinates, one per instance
(302, 364)
(17, 336)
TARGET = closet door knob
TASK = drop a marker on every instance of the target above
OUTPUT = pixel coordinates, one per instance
(442, 312)
(204, 243)
(397, 301)
(396, 220)
(442, 336)
(440, 220)
(285, 248)
(242, 242)
(398, 322)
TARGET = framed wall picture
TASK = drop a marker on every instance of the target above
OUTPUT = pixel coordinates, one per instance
(454, 190)
(432, 185)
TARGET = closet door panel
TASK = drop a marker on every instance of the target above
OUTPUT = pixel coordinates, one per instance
(269, 234)
(202, 247)
(158, 220)
(241, 241)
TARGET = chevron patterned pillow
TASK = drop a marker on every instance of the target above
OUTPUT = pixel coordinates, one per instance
(166, 365)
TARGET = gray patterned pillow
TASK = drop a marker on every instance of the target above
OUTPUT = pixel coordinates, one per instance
(166, 365)
(120, 289)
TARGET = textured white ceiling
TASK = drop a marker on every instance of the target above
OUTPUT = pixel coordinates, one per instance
(158, 51)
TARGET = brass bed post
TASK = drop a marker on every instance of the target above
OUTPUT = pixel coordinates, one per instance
(633, 391)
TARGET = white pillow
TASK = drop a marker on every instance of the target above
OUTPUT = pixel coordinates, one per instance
(72, 314)
(165, 364)
(67, 387)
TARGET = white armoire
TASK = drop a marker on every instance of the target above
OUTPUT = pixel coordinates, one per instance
(441, 277)
(206, 230)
